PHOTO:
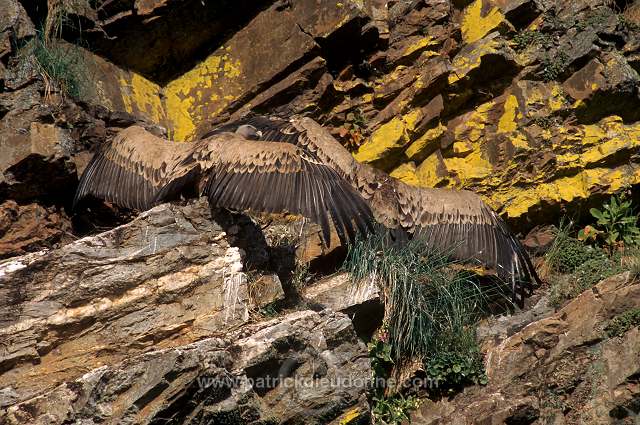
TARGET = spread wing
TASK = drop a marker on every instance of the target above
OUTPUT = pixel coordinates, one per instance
(131, 169)
(450, 220)
(461, 223)
(277, 177)
(139, 170)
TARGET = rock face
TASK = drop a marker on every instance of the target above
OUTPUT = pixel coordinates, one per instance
(128, 325)
(558, 368)
(532, 105)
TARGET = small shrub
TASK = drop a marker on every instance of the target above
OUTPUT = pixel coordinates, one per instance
(617, 224)
(553, 66)
(571, 253)
(623, 322)
(584, 276)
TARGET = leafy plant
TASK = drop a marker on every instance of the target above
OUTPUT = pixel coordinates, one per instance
(617, 224)
(352, 131)
(450, 371)
(380, 356)
(623, 322)
(393, 410)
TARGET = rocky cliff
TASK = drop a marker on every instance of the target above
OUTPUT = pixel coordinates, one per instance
(110, 316)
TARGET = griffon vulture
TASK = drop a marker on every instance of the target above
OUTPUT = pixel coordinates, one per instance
(138, 170)
(455, 221)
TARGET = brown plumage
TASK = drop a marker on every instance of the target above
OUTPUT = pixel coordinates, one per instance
(456, 221)
(138, 170)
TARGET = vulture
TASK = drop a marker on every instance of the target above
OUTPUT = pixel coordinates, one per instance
(448, 220)
(233, 170)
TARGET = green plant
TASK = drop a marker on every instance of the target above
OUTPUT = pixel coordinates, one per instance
(393, 410)
(527, 38)
(623, 322)
(62, 66)
(572, 253)
(583, 277)
(450, 370)
(380, 357)
(431, 308)
(352, 131)
(553, 67)
(301, 275)
(617, 224)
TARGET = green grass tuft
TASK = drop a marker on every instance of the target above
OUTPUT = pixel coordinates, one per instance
(431, 311)
(62, 66)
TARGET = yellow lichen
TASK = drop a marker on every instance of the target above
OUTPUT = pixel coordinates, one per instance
(204, 91)
(141, 97)
(517, 201)
(471, 167)
(430, 140)
(428, 173)
(349, 416)
(422, 43)
(389, 137)
(407, 173)
(507, 122)
(475, 25)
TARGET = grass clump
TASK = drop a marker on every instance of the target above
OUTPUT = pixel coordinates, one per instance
(623, 323)
(431, 311)
(62, 67)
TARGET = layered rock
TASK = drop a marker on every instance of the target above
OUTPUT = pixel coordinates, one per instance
(130, 324)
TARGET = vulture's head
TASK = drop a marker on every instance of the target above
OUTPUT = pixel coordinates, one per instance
(249, 132)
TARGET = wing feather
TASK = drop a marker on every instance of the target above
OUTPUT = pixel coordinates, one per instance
(474, 232)
(279, 177)
(132, 169)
